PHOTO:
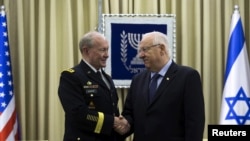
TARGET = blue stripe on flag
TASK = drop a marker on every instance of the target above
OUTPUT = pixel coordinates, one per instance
(236, 43)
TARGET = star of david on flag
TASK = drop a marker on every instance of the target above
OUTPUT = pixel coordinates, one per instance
(235, 107)
(8, 116)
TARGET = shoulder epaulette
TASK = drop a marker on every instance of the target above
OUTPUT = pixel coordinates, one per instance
(70, 70)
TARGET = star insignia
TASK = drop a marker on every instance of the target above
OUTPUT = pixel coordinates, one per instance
(241, 100)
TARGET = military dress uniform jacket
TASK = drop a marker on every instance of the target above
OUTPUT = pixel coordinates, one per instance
(176, 112)
(89, 105)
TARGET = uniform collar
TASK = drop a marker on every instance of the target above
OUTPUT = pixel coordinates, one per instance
(91, 66)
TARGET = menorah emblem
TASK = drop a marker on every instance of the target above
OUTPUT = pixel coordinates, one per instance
(134, 39)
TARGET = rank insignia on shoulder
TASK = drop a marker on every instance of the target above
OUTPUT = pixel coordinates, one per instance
(70, 70)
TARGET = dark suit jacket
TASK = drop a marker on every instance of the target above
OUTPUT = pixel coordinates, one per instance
(176, 112)
(83, 94)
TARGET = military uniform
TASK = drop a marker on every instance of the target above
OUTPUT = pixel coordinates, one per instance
(89, 105)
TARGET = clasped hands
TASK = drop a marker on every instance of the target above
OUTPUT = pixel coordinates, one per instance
(121, 125)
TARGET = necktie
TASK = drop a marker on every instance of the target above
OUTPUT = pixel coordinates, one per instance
(99, 74)
(102, 78)
(153, 86)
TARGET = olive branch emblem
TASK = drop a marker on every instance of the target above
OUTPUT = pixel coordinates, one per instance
(124, 48)
(124, 41)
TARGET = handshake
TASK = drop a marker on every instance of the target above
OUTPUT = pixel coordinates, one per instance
(121, 125)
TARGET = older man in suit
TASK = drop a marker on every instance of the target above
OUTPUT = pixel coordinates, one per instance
(175, 112)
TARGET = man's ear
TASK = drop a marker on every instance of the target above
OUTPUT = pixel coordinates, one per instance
(162, 47)
(85, 50)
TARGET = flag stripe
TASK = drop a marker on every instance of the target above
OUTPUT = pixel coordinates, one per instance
(235, 46)
(14, 135)
(8, 127)
(6, 115)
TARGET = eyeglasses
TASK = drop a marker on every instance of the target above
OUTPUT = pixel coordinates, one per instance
(145, 49)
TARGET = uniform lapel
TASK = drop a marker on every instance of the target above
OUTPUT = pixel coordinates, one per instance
(92, 75)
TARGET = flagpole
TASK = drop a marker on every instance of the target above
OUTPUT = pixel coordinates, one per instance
(99, 16)
(2, 9)
(236, 8)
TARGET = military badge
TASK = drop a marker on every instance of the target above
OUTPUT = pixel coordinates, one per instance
(91, 105)
(89, 83)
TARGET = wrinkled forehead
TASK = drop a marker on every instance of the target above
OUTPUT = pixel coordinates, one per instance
(101, 42)
(146, 41)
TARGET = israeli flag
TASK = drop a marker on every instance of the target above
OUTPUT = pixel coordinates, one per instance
(235, 108)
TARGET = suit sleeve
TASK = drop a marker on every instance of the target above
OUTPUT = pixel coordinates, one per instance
(194, 107)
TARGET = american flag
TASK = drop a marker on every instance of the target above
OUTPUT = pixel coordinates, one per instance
(8, 116)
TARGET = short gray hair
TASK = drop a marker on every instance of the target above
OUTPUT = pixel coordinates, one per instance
(88, 39)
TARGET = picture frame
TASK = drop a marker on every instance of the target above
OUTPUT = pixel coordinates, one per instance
(124, 32)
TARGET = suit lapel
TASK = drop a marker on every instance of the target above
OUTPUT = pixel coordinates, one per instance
(145, 90)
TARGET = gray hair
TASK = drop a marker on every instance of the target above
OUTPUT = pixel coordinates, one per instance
(88, 39)
(160, 38)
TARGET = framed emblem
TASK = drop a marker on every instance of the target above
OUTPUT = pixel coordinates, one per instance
(124, 32)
